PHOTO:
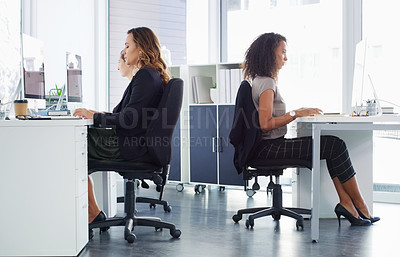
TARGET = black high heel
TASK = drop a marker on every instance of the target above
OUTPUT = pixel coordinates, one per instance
(340, 210)
(99, 218)
(371, 218)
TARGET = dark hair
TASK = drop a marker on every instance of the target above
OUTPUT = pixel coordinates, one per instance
(148, 44)
(260, 59)
(121, 55)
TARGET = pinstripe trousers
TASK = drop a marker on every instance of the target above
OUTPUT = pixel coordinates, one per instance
(333, 150)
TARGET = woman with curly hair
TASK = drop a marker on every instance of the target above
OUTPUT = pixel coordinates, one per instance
(263, 60)
(129, 119)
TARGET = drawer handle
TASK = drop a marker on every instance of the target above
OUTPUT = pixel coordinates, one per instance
(213, 144)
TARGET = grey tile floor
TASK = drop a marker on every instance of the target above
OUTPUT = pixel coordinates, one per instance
(205, 220)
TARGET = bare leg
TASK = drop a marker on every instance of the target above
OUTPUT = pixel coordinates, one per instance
(344, 198)
(93, 207)
(351, 187)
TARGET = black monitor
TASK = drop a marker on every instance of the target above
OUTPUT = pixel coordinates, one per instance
(74, 78)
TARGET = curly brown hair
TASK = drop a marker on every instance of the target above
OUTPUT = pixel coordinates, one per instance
(260, 59)
(148, 44)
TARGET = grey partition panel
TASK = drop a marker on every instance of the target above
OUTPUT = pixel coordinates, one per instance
(227, 172)
(203, 133)
(175, 171)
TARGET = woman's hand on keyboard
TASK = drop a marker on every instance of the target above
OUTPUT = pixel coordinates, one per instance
(303, 112)
(83, 112)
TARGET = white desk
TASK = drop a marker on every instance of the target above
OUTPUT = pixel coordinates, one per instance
(43, 187)
(360, 149)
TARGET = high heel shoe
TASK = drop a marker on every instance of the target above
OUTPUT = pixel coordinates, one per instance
(340, 210)
(371, 218)
(100, 217)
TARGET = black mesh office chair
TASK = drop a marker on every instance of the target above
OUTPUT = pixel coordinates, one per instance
(244, 135)
(158, 139)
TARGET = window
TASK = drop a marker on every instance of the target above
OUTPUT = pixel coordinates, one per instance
(10, 45)
(313, 74)
(383, 54)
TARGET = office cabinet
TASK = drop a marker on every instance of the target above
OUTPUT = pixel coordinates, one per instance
(203, 144)
(227, 171)
(175, 165)
(44, 195)
(206, 154)
(211, 154)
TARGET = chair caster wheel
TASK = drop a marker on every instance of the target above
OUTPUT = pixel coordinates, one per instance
(249, 223)
(179, 187)
(199, 188)
(250, 192)
(299, 225)
(131, 238)
(158, 229)
(256, 186)
(236, 218)
(104, 229)
(167, 208)
(152, 205)
(175, 233)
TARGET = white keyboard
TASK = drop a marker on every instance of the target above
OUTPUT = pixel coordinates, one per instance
(65, 118)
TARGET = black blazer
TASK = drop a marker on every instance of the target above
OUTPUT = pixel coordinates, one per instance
(245, 131)
(132, 115)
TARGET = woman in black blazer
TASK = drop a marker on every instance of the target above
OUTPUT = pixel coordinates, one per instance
(129, 119)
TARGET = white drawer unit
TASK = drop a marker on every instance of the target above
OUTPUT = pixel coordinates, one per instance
(80, 134)
(43, 190)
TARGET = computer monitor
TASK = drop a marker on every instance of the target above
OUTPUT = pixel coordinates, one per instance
(359, 75)
(364, 95)
(74, 78)
(33, 72)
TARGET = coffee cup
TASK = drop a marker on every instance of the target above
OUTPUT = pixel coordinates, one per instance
(21, 107)
(2, 111)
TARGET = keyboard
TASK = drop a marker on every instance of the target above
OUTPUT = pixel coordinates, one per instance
(60, 118)
(332, 114)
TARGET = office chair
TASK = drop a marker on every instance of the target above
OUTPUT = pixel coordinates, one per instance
(159, 188)
(152, 201)
(158, 139)
(244, 135)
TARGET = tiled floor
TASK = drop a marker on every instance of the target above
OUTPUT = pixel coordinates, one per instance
(205, 220)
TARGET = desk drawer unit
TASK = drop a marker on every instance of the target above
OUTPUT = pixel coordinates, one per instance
(82, 220)
(81, 167)
(46, 164)
(80, 134)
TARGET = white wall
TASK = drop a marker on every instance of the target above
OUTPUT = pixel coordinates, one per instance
(72, 26)
(166, 18)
